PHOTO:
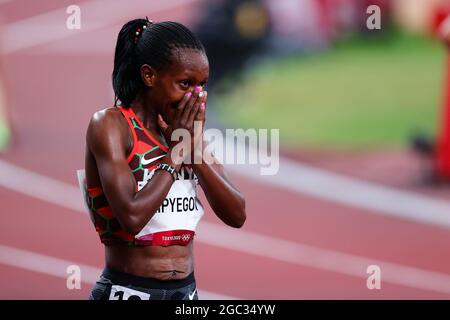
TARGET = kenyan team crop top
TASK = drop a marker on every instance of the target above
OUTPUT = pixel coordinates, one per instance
(175, 222)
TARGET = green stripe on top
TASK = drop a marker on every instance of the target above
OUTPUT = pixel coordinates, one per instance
(154, 148)
(141, 155)
(135, 124)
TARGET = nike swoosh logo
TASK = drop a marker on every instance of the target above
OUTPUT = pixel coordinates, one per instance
(145, 162)
(191, 296)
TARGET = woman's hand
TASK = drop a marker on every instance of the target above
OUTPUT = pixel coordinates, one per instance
(191, 108)
(201, 118)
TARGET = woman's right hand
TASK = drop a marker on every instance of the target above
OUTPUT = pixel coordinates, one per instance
(184, 118)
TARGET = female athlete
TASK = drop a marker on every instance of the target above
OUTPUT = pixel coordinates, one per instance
(141, 185)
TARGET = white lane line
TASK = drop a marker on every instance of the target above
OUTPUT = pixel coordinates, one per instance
(98, 14)
(329, 186)
(14, 177)
(317, 258)
(56, 267)
(40, 187)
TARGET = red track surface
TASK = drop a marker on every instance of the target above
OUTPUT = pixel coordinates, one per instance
(52, 96)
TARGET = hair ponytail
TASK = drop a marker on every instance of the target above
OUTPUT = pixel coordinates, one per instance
(125, 77)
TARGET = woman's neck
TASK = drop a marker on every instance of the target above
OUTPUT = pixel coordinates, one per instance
(146, 113)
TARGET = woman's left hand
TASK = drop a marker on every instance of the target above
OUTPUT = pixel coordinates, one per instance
(198, 136)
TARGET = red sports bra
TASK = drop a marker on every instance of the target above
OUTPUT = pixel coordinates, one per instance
(175, 221)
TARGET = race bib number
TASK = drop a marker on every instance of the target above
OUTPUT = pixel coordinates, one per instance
(124, 293)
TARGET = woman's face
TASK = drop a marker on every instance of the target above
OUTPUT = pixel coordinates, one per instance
(189, 68)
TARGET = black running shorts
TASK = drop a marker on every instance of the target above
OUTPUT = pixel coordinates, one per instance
(114, 285)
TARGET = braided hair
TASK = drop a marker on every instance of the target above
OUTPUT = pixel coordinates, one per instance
(140, 42)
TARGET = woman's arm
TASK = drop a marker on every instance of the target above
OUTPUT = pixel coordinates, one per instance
(107, 140)
(226, 201)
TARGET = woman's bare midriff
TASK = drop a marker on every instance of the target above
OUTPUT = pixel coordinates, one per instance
(162, 263)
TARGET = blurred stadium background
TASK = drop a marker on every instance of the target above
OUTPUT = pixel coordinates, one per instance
(350, 192)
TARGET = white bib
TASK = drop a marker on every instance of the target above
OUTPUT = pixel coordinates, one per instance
(177, 218)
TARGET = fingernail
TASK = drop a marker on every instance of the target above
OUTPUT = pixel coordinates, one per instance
(188, 95)
(198, 89)
(201, 94)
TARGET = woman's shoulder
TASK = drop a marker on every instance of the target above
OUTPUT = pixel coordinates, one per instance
(107, 117)
(106, 114)
(107, 120)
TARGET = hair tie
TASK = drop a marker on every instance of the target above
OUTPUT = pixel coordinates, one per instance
(140, 30)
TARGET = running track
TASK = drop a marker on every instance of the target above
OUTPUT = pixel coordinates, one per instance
(305, 236)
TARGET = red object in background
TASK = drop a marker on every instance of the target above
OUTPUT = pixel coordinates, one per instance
(441, 12)
(443, 139)
(442, 155)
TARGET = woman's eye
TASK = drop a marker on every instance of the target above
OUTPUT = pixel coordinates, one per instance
(184, 83)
